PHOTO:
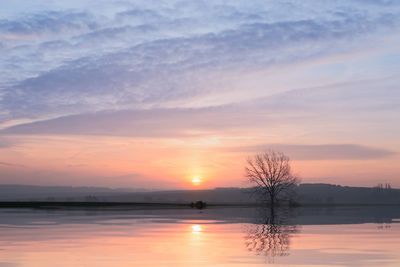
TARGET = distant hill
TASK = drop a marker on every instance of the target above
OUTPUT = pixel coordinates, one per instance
(306, 194)
(34, 192)
(336, 194)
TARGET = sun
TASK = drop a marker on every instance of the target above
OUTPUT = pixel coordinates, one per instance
(196, 180)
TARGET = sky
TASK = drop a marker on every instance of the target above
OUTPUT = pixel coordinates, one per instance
(151, 94)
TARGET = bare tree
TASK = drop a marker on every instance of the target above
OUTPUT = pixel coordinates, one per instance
(270, 172)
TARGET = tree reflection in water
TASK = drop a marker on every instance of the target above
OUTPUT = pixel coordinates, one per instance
(270, 234)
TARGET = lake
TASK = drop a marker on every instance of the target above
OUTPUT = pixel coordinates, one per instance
(341, 236)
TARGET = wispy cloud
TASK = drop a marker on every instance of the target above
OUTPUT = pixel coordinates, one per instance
(299, 108)
(8, 164)
(51, 23)
(322, 151)
(160, 54)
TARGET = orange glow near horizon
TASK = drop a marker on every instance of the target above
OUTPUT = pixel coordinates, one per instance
(166, 164)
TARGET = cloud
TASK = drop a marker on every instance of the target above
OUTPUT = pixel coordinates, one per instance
(8, 164)
(337, 105)
(139, 123)
(322, 151)
(367, 96)
(158, 55)
(48, 22)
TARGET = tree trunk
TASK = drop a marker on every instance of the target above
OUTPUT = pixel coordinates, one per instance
(272, 196)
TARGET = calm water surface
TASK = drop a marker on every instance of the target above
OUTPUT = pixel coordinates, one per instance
(212, 237)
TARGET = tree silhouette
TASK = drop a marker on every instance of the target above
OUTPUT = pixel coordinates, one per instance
(271, 174)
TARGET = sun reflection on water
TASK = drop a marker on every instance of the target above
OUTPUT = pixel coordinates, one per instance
(197, 229)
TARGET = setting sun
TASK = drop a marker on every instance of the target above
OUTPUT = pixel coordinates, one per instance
(196, 181)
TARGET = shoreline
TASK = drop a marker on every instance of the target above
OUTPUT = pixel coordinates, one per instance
(146, 205)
